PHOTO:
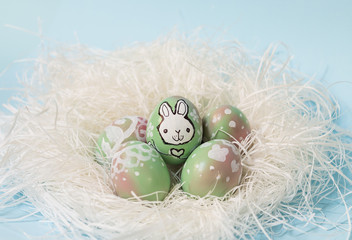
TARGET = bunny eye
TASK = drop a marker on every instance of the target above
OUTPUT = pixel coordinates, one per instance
(165, 130)
(188, 130)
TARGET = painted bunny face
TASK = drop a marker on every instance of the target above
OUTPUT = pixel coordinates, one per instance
(175, 127)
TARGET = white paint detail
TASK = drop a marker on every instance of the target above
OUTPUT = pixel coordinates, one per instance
(204, 145)
(235, 166)
(217, 153)
(135, 155)
(120, 121)
(228, 111)
(150, 128)
(116, 135)
(216, 118)
(194, 115)
(232, 124)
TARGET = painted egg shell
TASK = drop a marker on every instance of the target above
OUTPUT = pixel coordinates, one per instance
(120, 131)
(213, 168)
(226, 122)
(174, 129)
(137, 169)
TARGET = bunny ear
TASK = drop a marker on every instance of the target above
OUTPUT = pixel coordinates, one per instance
(165, 109)
(181, 107)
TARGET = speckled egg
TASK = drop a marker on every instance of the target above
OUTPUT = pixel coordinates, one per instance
(226, 122)
(174, 129)
(120, 131)
(214, 168)
(137, 169)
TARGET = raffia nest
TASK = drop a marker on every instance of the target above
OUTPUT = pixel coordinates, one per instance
(298, 154)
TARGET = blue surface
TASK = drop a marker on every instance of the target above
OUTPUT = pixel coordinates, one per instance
(318, 33)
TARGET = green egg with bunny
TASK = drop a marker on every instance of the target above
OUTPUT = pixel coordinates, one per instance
(174, 129)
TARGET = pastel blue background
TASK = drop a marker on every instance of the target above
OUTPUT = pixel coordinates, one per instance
(317, 33)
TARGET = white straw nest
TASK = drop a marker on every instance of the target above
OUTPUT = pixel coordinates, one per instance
(297, 157)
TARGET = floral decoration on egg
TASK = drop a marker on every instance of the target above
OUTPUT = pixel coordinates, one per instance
(174, 129)
(226, 122)
(214, 168)
(122, 130)
(137, 169)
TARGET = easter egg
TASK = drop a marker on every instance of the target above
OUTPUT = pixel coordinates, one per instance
(174, 129)
(137, 169)
(120, 131)
(214, 168)
(226, 122)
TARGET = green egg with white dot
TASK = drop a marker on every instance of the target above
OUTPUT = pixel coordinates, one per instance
(214, 168)
(174, 129)
(226, 122)
(137, 170)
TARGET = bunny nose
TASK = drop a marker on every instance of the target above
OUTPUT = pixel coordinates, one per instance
(177, 137)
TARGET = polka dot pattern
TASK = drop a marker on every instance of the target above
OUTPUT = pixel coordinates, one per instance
(226, 122)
